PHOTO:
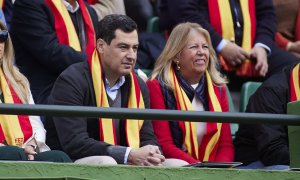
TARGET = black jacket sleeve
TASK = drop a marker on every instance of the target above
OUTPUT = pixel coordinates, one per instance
(266, 22)
(271, 139)
(147, 135)
(71, 88)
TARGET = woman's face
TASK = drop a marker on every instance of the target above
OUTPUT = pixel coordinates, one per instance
(194, 58)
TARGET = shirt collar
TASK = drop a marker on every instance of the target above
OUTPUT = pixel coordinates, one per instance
(70, 8)
(117, 86)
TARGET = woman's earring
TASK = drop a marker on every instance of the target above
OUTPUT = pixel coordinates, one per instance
(177, 64)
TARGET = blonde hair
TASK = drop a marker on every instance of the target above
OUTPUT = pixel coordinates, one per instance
(178, 39)
(17, 80)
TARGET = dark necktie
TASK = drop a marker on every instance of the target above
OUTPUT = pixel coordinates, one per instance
(81, 30)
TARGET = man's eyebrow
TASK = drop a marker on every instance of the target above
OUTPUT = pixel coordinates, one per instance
(125, 44)
(122, 44)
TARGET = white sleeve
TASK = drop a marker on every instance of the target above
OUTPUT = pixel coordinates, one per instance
(38, 129)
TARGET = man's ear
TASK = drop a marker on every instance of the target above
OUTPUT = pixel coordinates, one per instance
(100, 45)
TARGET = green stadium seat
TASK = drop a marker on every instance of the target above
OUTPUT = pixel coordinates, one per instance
(152, 25)
(248, 89)
(147, 72)
(230, 101)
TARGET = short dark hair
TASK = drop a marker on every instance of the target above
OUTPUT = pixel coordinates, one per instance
(109, 24)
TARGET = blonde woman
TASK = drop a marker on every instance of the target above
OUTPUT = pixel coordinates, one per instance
(22, 137)
(185, 78)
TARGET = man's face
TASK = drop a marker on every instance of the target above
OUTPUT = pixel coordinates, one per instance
(119, 57)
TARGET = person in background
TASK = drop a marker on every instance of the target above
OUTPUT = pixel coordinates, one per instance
(101, 7)
(242, 33)
(288, 25)
(48, 36)
(266, 146)
(140, 11)
(105, 80)
(185, 78)
(22, 137)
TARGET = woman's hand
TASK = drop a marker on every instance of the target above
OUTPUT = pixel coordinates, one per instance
(30, 150)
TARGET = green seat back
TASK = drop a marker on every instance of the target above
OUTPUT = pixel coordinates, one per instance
(294, 134)
(233, 126)
(248, 89)
(147, 72)
(230, 101)
(152, 25)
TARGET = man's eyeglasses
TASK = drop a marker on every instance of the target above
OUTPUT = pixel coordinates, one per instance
(3, 36)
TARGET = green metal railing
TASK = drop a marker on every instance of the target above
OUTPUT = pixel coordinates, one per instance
(149, 114)
(44, 170)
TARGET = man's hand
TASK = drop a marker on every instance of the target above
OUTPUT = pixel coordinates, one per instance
(234, 54)
(146, 156)
(30, 151)
(260, 54)
(294, 47)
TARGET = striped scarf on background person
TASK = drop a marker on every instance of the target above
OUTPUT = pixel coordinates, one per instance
(15, 130)
(221, 19)
(2, 4)
(91, 1)
(295, 84)
(107, 130)
(64, 27)
(208, 147)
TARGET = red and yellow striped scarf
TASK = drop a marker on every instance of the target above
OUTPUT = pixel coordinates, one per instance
(14, 129)
(204, 151)
(65, 29)
(295, 84)
(107, 130)
(2, 4)
(91, 1)
(221, 19)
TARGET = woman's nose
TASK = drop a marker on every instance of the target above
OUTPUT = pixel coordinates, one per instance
(200, 51)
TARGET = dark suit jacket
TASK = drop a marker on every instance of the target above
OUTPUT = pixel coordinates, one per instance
(267, 143)
(173, 12)
(39, 55)
(79, 137)
(7, 10)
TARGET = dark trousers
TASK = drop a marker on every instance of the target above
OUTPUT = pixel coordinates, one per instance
(14, 153)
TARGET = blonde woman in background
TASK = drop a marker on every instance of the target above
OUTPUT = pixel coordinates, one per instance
(22, 137)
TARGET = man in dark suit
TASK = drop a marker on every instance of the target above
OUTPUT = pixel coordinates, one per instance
(105, 80)
(266, 146)
(242, 32)
(48, 36)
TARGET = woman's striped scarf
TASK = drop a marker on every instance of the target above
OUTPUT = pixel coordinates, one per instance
(208, 146)
(14, 129)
